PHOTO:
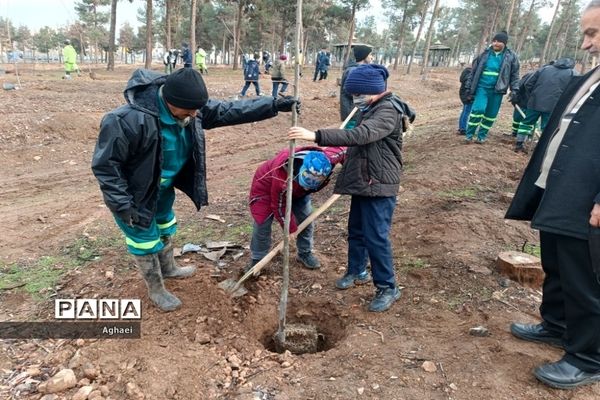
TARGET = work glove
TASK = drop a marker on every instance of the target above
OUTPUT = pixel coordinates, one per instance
(513, 98)
(129, 216)
(285, 104)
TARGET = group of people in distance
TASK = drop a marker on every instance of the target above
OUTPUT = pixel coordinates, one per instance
(155, 143)
(172, 56)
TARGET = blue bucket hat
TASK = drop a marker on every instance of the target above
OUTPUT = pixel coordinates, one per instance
(315, 169)
(367, 79)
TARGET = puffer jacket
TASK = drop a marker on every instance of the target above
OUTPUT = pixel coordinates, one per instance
(373, 160)
(346, 104)
(251, 71)
(128, 155)
(547, 84)
(463, 92)
(269, 185)
(508, 77)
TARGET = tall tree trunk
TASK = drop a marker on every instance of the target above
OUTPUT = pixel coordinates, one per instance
(149, 35)
(168, 24)
(418, 37)
(495, 19)
(485, 36)
(350, 36)
(398, 55)
(510, 14)
(238, 32)
(193, 31)
(560, 32)
(428, 40)
(111, 39)
(547, 44)
(525, 30)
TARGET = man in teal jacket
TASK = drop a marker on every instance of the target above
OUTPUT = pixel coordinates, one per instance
(494, 72)
(154, 145)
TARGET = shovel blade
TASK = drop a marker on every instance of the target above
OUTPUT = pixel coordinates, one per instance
(232, 287)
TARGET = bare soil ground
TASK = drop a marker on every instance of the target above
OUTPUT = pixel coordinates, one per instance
(448, 229)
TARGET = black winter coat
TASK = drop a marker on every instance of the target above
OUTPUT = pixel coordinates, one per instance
(346, 104)
(508, 76)
(373, 159)
(573, 184)
(463, 93)
(547, 84)
(128, 154)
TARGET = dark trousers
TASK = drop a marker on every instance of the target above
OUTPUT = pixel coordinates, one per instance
(368, 238)
(571, 298)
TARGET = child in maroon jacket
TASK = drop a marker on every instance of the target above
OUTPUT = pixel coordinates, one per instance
(312, 168)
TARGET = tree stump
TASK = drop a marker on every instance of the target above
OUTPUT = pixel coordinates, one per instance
(521, 267)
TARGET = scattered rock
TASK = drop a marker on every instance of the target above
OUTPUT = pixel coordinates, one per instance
(104, 390)
(202, 338)
(480, 331)
(79, 342)
(63, 380)
(316, 286)
(429, 366)
(109, 275)
(95, 395)
(286, 364)
(234, 361)
(375, 386)
(453, 386)
(83, 393)
(478, 269)
(49, 397)
(90, 371)
(133, 391)
(360, 390)
(83, 382)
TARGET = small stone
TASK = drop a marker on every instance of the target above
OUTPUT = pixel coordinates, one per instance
(393, 377)
(453, 386)
(89, 371)
(360, 390)
(133, 391)
(79, 342)
(63, 380)
(480, 331)
(331, 378)
(109, 275)
(95, 395)
(104, 390)
(429, 366)
(316, 286)
(202, 338)
(33, 372)
(83, 393)
(83, 382)
(286, 364)
(234, 361)
(49, 397)
(37, 158)
(375, 386)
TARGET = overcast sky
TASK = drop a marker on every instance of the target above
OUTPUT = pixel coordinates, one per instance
(55, 13)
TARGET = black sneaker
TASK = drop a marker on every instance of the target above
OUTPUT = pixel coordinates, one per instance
(349, 280)
(384, 298)
(308, 260)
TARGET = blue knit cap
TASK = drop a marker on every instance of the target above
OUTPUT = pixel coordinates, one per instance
(315, 169)
(366, 79)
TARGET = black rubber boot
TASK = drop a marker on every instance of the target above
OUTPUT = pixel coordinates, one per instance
(168, 266)
(150, 268)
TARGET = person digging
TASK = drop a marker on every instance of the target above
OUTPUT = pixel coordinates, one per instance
(154, 144)
(268, 192)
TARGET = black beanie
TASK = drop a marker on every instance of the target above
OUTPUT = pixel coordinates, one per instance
(501, 37)
(185, 89)
(361, 52)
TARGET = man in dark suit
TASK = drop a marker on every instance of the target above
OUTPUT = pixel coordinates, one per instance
(560, 194)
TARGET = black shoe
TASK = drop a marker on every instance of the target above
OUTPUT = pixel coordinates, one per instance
(536, 333)
(308, 260)
(349, 280)
(562, 375)
(384, 298)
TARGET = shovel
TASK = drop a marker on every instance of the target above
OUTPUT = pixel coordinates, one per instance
(235, 288)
